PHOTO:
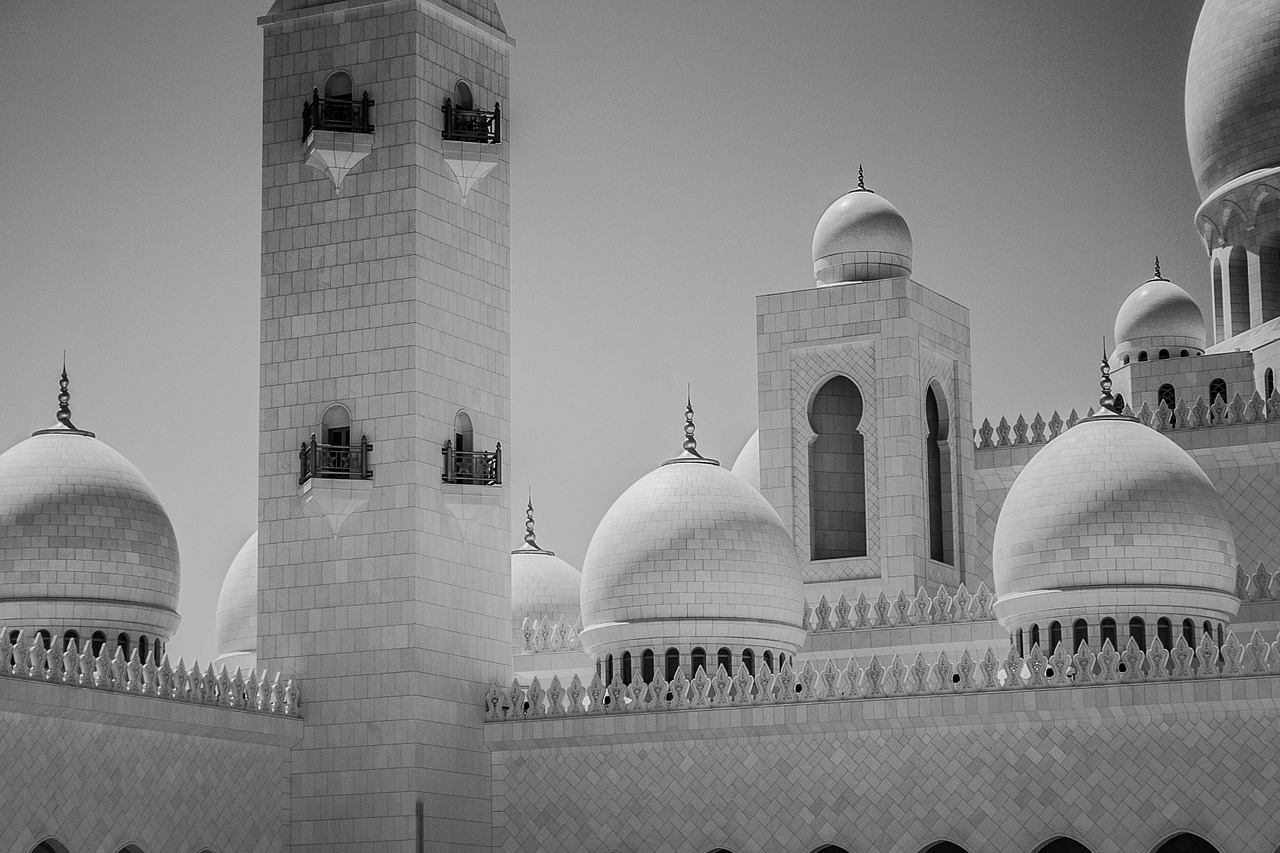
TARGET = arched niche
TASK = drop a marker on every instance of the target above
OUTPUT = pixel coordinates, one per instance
(462, 97)
(50, 845)
(338, 86)
(938, 475)
(837, 472)
(335, 426)
(944, 847)
(1186, 842)
(1062, 844)
(463, 433)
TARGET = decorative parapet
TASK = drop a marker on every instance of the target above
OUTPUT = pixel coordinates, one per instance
(921, 609)
(1262, 585)
(26, 657)
(551, 635)
(835, 683)
(1162, 419)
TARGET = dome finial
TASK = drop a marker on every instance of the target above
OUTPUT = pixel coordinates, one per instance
(690, 443)
(1106, 400)
(64, 397)
(528, 525)
(1162, 278)
(861, 183)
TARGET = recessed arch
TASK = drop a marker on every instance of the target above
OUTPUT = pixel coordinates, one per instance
(1269, 382)
(1186, 842)
(944, 847)
(938, 475)
(462, 97)
(130, 848)
(338, 86)
(335, 426)
(1061, 844)
(463, 432)
(50, 845)
(1217, 389)
(829, 848)
(837, 472)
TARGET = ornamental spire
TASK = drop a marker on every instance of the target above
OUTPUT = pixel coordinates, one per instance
(861, 183)
(64, 397)
(1106, 400)
(690, 443)
(1162, 278)
(528, 526)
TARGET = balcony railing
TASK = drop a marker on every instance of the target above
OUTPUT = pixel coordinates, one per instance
(474, 467)
(337, 114)
(472, 125)
(336, 462)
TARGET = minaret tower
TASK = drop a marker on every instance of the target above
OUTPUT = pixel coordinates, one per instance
(384, 564)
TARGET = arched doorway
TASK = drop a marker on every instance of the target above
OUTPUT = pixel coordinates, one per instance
(1186, 842)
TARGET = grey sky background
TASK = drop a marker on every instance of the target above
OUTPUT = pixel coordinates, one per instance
(669, 162)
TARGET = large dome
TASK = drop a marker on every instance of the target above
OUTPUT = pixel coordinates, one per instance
(85, 545)
(1159, 314)
(691, 556)
(236, 624)
(861, 237)
(1113, 520)
(747, 465)
(1233, 92)
(543, 586)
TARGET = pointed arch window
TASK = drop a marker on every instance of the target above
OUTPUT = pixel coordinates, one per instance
(1169, 397)
(938, 475)
(1217, 388)
(1186, 843)
(837, 472)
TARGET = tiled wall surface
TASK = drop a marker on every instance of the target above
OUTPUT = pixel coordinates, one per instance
(1118, 768)
(97, 770)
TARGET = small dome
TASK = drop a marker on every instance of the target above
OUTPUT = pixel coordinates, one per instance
(861, 237)
(1233, 92)
(236, 623)
(1159, 314)
(542, 586)
(84, 543)
(691, 556)
(1112, 519)
(748, 465)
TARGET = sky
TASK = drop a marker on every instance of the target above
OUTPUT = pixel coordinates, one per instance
(669, 160)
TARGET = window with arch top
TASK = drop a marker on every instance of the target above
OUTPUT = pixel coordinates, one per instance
(1109, 632)
(646, 666)
(697, 661)
(1164, 632)
(463, 434)
(335, 426)
(1138, 632)
(1079, 634)
(938, 475)
(1164, 353)
(837, 472)
(1269, 382)
(673, 663)
(1142, 356)
(1063, 845)
(1168, 396)
(338, 86)
(1217, 388)
(1186, 843)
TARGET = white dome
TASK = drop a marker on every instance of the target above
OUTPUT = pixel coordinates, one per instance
(542, 586)
(748, 464)
(1159, 315)
(236, 623)
(691, 556)
(1112, 519)
(84, 543)
(861, 237)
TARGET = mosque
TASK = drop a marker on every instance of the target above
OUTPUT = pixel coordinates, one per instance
(868, 633)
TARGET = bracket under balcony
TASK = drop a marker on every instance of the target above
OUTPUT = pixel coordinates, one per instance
(471, 143)
(464, 484)
(337, 133)
(335, 481)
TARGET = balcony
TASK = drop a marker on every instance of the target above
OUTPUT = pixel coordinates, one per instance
(336, 462)
(338, 114)
(484, 126)
(472, 467)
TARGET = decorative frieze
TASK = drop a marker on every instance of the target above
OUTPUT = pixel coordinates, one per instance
(26, 657)
(920, 609)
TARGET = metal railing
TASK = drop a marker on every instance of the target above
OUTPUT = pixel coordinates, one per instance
(337, 114)
(472, 125)
(474, 467)
(336, 462)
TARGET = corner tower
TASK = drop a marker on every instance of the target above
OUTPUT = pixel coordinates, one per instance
(864, 412)
(384, 568)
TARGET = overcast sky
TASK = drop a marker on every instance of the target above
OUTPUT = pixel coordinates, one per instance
(669, 160)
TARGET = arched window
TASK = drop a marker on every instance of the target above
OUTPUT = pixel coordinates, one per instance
(1079, 633)
(1208, 629)
(49, 845)
(1219, 313)
(837, 473)
(1164, 353)
(646, 666)
(1168, 396)
(1186, 843)
(1138, 632)
(1164, 632)
(938, 473)
(673, 663)
(1269, 263)
(697, 661)
(1126, 359)
(1063, 845)
(749, 661)
(1109, 631)
(608, 669)
(1183, 354)
(1018, 641)
(463, 435)
(335, 426)
(1055, 636)
(338, 86)
(1269, 382)
(724, 658)
(1238, 289)
(144, 648)
(122, 642)
(1035, 636)
(462, 98)
(1142, 356)
(944, 847)
(45, 638)
(1222, 641)
(69, 638)
(1189, 632)
(96, 642)
(768, 661)
(626, 667)
(1217, 389)
(1119, 402)
(782, 660)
